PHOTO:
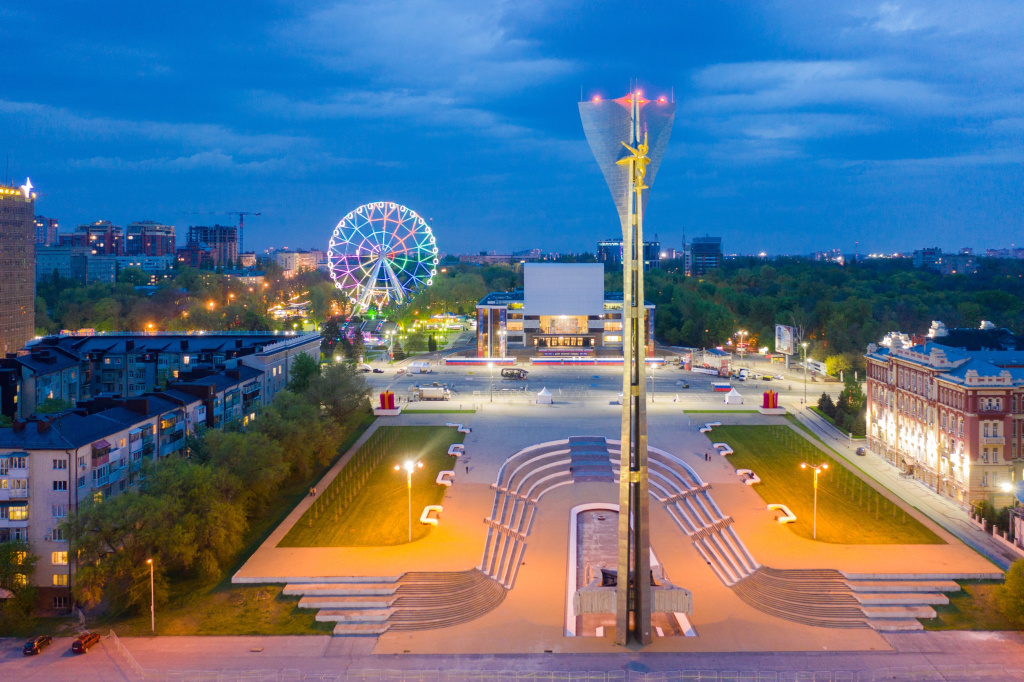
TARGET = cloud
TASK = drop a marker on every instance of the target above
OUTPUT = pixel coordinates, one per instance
(457, 47)
(789, 85)
(202, 136)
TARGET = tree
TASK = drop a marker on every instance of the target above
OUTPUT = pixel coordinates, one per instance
(133, 276)
(1010, 595)
(834, 364)
(340, 390)
(53, 406)
(331, 333)
(16, 566)
(303, 369)
(432, 343)
(826, 406)
(358, 345)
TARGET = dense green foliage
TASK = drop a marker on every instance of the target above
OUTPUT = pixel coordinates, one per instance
(16, 567)
(848, 410)
(841, 309)
(190, 515)
(192, 299)
(1010, 595)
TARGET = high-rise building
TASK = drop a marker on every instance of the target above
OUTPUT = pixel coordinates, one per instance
(147, 238)
(17, 267)
(705, 255)
(103, 238)
(46, 231)
(609, 252)
(223, 240)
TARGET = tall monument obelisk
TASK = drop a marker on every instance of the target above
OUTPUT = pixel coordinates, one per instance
(628, 137)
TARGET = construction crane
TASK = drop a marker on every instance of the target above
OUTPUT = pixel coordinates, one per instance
(241, 222)
(241, 225)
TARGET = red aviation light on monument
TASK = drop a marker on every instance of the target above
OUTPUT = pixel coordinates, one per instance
(595, 98)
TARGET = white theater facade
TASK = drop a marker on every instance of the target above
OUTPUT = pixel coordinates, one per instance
(562, 310)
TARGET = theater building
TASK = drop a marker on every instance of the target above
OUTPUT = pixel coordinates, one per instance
(562, 310)
(951, 417)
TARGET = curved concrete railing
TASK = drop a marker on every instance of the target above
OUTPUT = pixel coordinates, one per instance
(426, 517)
(787, 515)
(445, 478)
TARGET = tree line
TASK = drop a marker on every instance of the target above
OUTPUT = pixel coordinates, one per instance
(190, 514)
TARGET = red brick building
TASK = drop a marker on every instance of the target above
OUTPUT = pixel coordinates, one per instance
(953, 418)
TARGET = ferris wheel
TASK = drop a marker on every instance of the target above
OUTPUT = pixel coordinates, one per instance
(381, 253)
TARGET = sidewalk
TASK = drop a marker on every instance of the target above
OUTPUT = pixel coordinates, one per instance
(939, 509)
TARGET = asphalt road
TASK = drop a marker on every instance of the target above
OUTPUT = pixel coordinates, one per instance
(917, 656)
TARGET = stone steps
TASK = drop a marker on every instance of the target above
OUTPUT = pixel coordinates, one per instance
(903, 586)
(360, 629)
(340, 589)
(899, 598)
(339, 602)
(897, 612)
(354, 615)
(907, 625)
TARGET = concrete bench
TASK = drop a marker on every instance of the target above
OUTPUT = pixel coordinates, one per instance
(445, 478)
(456, 449)
(426, 519)
(711, 425)
(787, 516)
(748, 476)
(705, 429)
(723, 448)
(453, 425)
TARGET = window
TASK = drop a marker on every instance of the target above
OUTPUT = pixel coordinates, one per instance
(984, 455)
(60, 464)
(59, 511)
(59, 558)
(60, 485)
(58, 535)
(60, 602)
(19, 462)
(81, 481)
(19, 513)
(20, 580)
(60, 579)
(984, 480)
(986, 430)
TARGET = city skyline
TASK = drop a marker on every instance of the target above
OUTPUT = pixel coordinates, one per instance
(868, 122)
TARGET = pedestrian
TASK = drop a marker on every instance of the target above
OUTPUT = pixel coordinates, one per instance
(467, 468)
(312, 492)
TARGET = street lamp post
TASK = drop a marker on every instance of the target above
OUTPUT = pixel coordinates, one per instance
(818, 468)
(152, 598)
(804, 346)
(409, 467)
(490, 365)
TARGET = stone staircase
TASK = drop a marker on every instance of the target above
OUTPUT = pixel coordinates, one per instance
(589, 459)
(827, 598)
(414, 601)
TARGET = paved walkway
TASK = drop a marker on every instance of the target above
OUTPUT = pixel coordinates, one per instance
(939, 509)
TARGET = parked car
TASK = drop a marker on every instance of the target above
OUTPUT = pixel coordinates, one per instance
(861, 451)
(85, 642)
(37, 644)
(377, 370)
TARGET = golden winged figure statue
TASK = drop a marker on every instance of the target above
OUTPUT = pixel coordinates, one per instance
(639, 158)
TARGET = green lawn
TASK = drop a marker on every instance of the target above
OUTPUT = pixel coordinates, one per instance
(366, 505)
(849, 510)
(973, 608)
(219, 608)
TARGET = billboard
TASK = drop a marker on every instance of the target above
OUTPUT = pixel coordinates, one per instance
(785, 339)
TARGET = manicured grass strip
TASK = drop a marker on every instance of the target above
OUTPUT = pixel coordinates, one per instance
(850, 511)
(973, 608)
(235, 610)
(366, 505)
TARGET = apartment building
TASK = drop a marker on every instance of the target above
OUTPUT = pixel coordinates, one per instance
(49, 466)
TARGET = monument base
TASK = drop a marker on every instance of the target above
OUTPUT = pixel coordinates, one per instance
(772, 410)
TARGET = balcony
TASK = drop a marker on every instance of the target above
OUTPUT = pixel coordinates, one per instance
(19, 494)
(993, 440)
(100, 481)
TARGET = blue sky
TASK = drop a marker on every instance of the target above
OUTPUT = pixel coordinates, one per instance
(799, 125)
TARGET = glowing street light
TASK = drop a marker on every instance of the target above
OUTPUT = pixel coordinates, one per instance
(818, 468)
(152, 598)
(409, 466)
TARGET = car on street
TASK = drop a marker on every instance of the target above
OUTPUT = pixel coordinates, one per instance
(377, 370)
(36, 644)
(84, 642)
(861, 451)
